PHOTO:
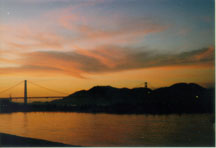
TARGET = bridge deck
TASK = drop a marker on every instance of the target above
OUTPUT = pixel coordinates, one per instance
(45, 97)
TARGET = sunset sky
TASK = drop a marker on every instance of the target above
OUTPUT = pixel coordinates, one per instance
(68, 45)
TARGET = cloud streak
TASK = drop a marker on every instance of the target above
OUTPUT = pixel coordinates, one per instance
(29, 37)
(107, 59)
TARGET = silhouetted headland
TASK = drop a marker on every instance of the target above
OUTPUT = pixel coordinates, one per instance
(178, 98)
(7, 140)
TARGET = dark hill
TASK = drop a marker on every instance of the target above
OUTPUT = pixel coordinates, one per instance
(191, 87)
(180, 90)
(105, 95)
(180, 97)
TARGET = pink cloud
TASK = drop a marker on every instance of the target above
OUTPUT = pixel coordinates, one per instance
(99, 29)
(205, 54)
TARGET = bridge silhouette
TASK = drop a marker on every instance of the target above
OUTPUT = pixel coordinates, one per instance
(25, 97)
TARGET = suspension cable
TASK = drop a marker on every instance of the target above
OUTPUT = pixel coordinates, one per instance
(11, 87)
(52, 90)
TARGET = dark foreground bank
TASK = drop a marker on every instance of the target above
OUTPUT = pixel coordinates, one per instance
(7, 140)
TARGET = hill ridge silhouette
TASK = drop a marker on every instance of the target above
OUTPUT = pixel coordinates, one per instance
(179, 97)
(103, 87)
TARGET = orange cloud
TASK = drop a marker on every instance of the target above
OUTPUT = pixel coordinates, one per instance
(209, 53)
(66, 21)
(22, 38)
(121, 34)
(107, 59)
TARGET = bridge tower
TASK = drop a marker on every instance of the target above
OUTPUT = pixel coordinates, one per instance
(25, 92)
(146, 85)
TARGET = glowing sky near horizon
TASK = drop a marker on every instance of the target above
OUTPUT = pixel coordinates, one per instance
(70, 45)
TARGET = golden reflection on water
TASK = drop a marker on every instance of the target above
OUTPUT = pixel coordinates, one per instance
(111, 130)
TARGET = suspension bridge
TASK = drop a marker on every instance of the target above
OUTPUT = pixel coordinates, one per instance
(26, 97)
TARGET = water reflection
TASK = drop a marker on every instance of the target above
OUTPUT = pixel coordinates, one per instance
(111, 130)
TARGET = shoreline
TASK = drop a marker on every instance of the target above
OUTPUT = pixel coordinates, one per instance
(8, 140)
(106, 112)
